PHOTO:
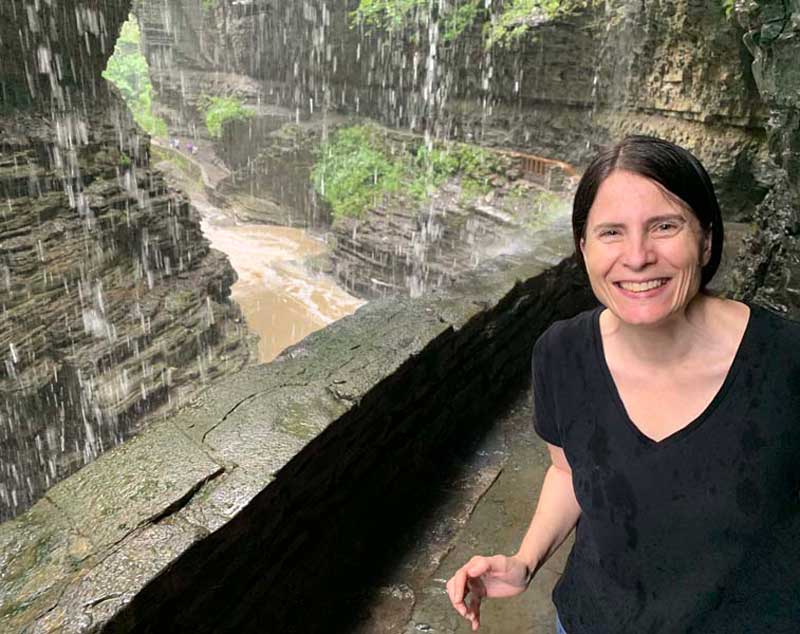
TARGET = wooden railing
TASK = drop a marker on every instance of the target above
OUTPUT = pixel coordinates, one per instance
(538, 166)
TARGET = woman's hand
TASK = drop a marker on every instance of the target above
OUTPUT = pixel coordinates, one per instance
(496, 576)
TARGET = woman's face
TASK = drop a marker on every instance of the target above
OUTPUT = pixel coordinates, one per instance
(644, 250)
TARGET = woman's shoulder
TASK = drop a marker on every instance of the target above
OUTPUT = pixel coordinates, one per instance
(782, 329)
(564, 333)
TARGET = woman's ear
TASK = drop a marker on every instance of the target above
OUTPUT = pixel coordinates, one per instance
(705, 257)
(582, 244)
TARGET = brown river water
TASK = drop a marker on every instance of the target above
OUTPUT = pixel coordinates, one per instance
(281, 298)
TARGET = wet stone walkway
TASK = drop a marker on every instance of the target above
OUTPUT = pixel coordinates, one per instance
(482, 505)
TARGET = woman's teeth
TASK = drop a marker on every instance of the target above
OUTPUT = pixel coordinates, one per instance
(638, 287)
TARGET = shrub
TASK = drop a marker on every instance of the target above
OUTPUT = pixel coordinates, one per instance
(354, 173)
(219, 110)
(358, 168)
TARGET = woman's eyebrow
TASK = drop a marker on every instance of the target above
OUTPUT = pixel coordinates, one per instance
(665, 218)
(652, 220)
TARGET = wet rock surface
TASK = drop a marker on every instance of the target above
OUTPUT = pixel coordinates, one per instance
(113, 306)
(486, 488)
(277, 467)
(768, 271)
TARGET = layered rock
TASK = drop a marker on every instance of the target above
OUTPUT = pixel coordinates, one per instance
(679, 70)
(769, 271)
(674, 69)
(113, 305)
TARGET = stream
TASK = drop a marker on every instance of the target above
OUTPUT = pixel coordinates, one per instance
(282, 299)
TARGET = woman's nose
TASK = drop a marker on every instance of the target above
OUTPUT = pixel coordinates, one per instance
(639, 252)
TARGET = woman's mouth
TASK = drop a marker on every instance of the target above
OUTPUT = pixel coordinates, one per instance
(647, 288)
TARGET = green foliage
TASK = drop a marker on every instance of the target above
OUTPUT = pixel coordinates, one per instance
(358, 169)
(127, 69)
(515, 18)
(219, 110)
(541, 208)
(460, 18)
(354, 171)
(512, 20)
(475, 165)
(387, 14)
(727, 6)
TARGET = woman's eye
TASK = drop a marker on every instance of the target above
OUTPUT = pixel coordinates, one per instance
(666, 226)
(608, 232)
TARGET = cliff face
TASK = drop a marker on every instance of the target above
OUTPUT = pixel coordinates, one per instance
(770, 269)
(113, 305)
(679, 70)
(673, 69)
(196, 49)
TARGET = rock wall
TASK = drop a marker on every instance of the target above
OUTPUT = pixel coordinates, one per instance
(113, 305)
(674, 69)
(680, 70)
(769, 271)
(241, 509)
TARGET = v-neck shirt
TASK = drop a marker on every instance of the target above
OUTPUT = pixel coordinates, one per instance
(667, 527)
(730, 376)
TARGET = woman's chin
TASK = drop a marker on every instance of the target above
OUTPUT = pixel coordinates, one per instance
(645, 311)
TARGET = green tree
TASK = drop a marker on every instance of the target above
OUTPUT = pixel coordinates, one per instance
(509, 23)
(219, 110)
(127, 69)
(359, 168)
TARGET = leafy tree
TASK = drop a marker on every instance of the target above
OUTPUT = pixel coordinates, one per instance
(127, 69)
(358, 168)
(219, 110)
(353, 173)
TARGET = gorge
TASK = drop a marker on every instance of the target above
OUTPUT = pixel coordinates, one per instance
(116, 313)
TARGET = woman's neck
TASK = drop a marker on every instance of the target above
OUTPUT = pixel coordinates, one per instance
(667, 343)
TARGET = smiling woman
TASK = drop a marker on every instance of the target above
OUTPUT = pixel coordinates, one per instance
(670, 418)
(643, 249)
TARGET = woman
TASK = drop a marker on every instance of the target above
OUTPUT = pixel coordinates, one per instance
(670, 416)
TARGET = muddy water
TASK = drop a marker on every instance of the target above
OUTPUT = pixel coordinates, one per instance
(281, 298)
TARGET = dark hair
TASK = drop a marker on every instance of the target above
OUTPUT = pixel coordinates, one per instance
(669, 165)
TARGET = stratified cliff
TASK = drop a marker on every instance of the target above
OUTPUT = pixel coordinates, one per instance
(113, 305)
(674, 69)
(770, 270)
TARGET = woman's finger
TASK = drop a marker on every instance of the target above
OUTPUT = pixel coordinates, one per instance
(457, 590)
(478, 566)
(474, 610)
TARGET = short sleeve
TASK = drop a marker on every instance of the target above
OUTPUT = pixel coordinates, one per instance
(544, 420)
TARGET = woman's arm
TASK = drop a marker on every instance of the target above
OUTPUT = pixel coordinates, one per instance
(501, 576)
(556, 514)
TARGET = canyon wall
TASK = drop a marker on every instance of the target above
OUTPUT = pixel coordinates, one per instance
(113, 305)
(769, 270)
(674, 69)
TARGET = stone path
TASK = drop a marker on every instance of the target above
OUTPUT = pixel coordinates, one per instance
(489, 498)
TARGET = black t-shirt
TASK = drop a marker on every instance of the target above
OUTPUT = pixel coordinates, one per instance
(694, 533)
